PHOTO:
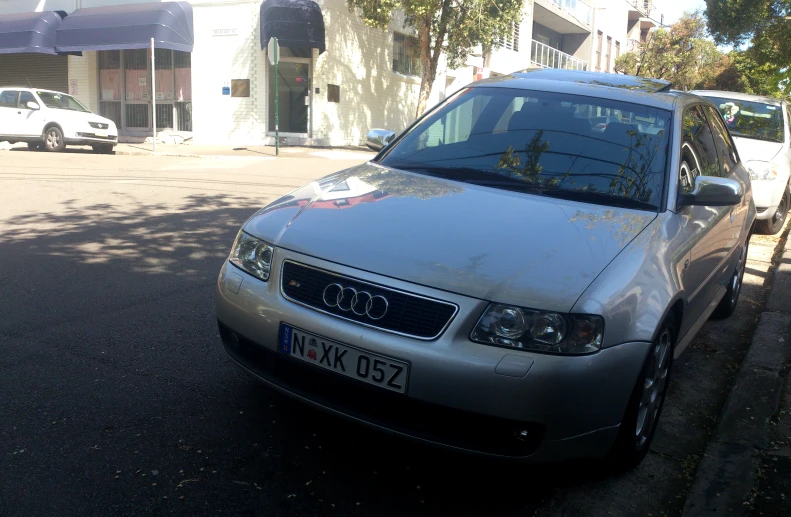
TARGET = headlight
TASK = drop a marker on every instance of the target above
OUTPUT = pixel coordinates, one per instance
(252, 255)
(763, 170)
(528, 329)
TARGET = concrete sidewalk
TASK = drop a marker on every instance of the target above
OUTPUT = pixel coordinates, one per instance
(728, 477)
(228, 151)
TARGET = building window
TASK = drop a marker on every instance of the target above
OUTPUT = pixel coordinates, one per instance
(511, 40)
(333, 93)
(599, 38)
(125, 90)
(406, 55)
(609, 51)
(617, 50)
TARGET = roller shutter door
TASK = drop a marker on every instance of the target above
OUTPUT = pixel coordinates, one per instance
(36, 70)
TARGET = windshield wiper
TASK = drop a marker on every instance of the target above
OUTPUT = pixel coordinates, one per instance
(756, 137)
(599, 198)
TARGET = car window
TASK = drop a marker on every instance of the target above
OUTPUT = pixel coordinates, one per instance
(61, 101)
(24, 98)
(726, 150)
(8, 98)
(788, 117)
(751, 119)
(546, 143)
(698, 151)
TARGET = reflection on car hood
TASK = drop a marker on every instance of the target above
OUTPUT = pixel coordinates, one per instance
(478, 241)
(752, 149)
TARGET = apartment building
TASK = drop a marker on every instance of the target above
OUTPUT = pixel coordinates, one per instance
(213, 80)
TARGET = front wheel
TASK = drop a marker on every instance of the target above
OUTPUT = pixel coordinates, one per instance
(645, 405)
(53, 139)
(775, 224)
(103, 149)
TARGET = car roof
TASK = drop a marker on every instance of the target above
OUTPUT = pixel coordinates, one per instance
(738, 96)
(640, 90)
(29, 89)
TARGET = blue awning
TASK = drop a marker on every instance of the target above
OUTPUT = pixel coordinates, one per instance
(127, 27)
(29, 32)
(295, 24)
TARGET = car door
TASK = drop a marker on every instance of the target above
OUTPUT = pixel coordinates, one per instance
(31, 121)
(710, 229)
(8, 112)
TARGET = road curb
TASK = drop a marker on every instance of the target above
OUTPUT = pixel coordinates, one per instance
(727, 473)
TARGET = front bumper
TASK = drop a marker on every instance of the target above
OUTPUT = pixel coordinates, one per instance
(570, 406)
(767, 196)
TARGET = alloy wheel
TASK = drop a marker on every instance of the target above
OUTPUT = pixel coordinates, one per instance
(53, 139)
(780, 214)
(738, 275)
(653, 387)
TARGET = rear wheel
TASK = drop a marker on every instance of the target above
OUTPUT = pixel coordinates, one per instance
(103, 148)
(775, 224)
(645, 405)
(53, 139)
(728, 304)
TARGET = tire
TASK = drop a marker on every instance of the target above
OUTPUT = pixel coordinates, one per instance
(728, 304)
(53, 139)
(34, 146)
(775, 224)
(103, 149)
(645, 405)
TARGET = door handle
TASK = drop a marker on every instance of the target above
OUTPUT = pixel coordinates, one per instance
(686, 264)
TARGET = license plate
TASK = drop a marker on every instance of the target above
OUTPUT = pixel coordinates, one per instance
(101, 134)
(385, 372)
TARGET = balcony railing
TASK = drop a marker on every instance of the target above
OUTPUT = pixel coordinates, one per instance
(644, 6)
(579, 9)
(544, 56)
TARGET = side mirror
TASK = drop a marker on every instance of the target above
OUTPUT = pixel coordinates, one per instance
(33, 105)
(713, 191)
(378, 139)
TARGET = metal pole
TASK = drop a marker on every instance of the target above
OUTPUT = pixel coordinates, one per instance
(277, 101)
(154, 94)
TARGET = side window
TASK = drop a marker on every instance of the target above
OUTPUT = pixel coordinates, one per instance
(788, 117)
(24, 98)
(698, 152)
(725, 148)
(8, 99)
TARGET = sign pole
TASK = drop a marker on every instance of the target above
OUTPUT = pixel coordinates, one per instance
(154, 94)
(277, 101)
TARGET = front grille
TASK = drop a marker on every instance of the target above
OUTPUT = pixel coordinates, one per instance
(98, 125)
(407, 314)
(393, 411)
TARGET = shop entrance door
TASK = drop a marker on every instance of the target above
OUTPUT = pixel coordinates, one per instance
(294, 82)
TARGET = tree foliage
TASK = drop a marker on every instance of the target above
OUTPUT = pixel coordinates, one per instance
(452, 27)
(680, 54)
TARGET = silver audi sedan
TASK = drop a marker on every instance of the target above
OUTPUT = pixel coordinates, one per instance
(506, 276)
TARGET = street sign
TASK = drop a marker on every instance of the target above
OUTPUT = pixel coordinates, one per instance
(273, 51)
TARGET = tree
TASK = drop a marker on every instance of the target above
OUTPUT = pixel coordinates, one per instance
(454, 27)
(744, 73)
(680, 54)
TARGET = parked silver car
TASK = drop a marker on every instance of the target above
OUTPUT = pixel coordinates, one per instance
(502, 277)
(761, 129)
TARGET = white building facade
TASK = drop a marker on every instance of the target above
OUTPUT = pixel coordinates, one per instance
(214, 81)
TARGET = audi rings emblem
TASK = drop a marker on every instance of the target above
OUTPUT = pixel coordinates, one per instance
(361, 303)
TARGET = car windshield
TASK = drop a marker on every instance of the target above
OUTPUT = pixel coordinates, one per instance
(751, 119)
(552, 144)
(61, 101)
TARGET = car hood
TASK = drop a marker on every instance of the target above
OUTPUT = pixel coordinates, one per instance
(477, 241)
(751, 149)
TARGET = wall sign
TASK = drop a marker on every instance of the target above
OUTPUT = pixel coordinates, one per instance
(240, 87)
(73, 89)
(141, 81)
(224, 32)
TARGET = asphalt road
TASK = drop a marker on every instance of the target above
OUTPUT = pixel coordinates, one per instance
(116, 397)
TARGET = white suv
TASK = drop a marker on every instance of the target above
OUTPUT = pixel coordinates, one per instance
(51, 120)
(761, 129)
